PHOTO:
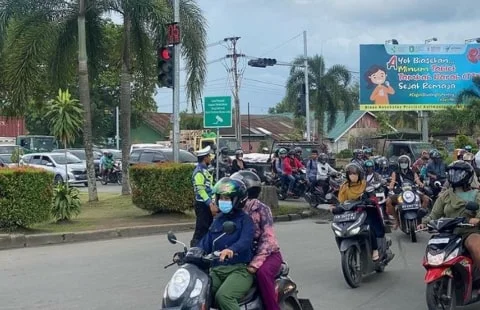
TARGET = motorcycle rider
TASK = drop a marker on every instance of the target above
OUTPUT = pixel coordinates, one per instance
(358, 158)
(205, 207)
(265, 150)
(420, 163)
(267, 258)
(436, 167)
(312, 168)
(468, 150)
(404, 173)
(238, 163)
(451, 203)
(298, 154)
(108, 163)
(383, 169)
(290, 167)
(370, 175)
(367, 153)
(353, 189)
(324, 171)
(231, 279)
(224, 162)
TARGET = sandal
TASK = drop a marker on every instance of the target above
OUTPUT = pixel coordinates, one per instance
(375, 255)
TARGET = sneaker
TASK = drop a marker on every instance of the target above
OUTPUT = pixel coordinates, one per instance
(375, 255)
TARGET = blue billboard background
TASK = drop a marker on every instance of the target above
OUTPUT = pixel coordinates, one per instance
(415, 77)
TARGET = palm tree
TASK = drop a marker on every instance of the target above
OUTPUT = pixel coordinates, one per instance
(66, 118)
(144, 27)
(38, 53)
(329, 88)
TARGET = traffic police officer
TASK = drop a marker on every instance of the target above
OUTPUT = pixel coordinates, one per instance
(205, 207)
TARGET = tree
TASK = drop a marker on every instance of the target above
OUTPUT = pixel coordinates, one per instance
(468, 95)
(39, 42)
(329, 89)
(66, 118)
(143, 20)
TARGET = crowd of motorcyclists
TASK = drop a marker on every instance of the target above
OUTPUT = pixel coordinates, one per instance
(443, 190)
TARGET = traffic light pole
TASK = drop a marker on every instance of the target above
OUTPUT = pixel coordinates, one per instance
(176, 87)
(307, 92)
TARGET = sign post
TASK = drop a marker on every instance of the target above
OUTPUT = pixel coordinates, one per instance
(217, 113)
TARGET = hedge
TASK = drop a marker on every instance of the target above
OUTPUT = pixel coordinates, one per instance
(25, 197)
(162, 187)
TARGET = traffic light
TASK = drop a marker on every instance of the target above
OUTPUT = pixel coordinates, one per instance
(165, 66)
(301, 102)
(262, 62)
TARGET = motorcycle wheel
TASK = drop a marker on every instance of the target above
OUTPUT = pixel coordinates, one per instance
(412, 227)
(119, 179)
(104, 180)
(437, 292)
(352, 276)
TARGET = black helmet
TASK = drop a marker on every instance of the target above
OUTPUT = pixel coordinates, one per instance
(238, 152)
(357, 153)
(323, 158)
(434, 154)
(291, 152)
(460, 173)
(298, 150)
(235, 189)
(382, 162)
(224, 150)
(353, 168)
(251, 180)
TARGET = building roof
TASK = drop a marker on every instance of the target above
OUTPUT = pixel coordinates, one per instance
(278, 126)
(342, 125)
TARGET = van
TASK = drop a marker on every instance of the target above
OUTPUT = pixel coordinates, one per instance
(394, 149)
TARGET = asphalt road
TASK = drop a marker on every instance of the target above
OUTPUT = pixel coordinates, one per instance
(128, 273)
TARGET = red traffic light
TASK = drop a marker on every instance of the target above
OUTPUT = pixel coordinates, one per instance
(164, 53)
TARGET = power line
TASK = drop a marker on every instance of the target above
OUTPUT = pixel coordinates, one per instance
(283, 44)
(269, 83)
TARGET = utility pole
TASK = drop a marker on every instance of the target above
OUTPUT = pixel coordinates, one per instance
(176, 86)
(236, 87)
(307, 91)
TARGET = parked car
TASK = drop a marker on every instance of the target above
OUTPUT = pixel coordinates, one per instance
(6, 160)
(76, 172)
(144, 155)
(80, 153)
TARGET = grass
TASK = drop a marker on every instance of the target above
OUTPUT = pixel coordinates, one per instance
(114, 210)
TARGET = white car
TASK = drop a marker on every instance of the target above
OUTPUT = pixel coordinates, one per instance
(76, 172)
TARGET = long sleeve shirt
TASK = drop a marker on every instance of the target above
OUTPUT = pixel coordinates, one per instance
(202, 183)
(264, 235)
(312, 169)
(323, 170)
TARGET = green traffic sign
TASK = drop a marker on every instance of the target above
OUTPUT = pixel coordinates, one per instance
(217, 112)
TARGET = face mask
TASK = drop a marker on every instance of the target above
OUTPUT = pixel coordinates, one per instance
(353, 178)
(225, 206)
(404, 166)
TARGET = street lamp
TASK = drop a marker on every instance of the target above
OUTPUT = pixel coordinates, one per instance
(392, 41)
(476, 40)
(431, 40)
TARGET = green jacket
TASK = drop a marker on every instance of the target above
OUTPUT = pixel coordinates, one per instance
(450, 205)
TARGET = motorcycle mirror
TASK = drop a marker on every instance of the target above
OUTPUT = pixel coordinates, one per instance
(370, 189)
(229, 227)
(171, 237)
(421, 213)
(472, 206)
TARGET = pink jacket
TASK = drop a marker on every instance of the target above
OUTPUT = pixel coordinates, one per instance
(264, 233)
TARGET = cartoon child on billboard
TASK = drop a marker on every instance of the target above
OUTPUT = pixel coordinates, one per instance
(376, 77)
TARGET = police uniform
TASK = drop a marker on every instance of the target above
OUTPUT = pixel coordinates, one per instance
(202, 181)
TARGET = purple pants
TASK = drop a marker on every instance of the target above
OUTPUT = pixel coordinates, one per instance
(266, 280)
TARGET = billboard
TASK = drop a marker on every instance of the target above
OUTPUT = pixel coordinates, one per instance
(415, 77)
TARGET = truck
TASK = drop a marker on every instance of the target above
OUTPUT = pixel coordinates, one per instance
(195, 140)
(37, 143)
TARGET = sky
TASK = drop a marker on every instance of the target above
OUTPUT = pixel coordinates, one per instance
(335, 29)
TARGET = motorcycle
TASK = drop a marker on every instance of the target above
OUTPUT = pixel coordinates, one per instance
(114, 176)
(190, 285)
(299, 188)
(352, 235)
(316, 196)
(409, 210)
(452, 279)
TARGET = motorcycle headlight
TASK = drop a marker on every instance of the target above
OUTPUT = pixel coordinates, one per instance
(178, 284)
(408, 196)
(354, 231)
(197, 289)
(435, 260)
(452, 255)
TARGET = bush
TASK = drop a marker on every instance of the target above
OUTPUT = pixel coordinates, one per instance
(162, 187)
(25, 197)
(461, 141)
(346, 153)
(66, 202)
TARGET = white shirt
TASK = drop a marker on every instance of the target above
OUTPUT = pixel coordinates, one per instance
(323, 170)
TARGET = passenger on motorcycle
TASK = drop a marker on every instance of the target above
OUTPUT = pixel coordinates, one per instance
(358, 158)
(420, 165)
(436, 167)
(224, 162)
(312, 167)
(468, 150)
(451, 203)
(278, 162)
(353, 189)
(230, 278)
(474, 183)
(102, 161)
(404, 173)
(367, 153)
(267, 259)
(265, 150)
(298, 154)
(370, 175)
(290, 168)
(238, 163)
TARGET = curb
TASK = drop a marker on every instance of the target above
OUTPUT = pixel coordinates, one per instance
(15, 241)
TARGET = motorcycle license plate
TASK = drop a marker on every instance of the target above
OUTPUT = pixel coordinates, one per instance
(412, 206)
(439, 241)
(345, 217)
